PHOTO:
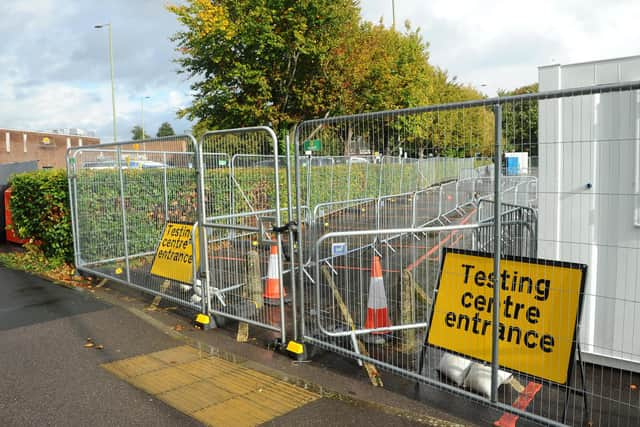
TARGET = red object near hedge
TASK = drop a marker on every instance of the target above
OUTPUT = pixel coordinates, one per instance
(11, 235)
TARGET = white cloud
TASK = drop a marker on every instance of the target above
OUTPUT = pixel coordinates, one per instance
(55, 65)
(501, 43)
(55, 105)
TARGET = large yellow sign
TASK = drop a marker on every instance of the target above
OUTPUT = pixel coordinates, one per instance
(174, 255)
(539, 306)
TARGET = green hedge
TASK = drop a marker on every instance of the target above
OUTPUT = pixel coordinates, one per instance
(40, 210)
(40, 201)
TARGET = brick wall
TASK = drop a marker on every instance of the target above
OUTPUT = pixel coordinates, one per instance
(49, 149)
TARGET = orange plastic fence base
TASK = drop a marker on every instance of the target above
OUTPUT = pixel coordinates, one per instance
(527, 395)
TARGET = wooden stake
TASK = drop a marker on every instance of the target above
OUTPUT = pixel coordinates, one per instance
(252, 291)
(372, 372)
(243, 332)
(156, 300)
(408, 310)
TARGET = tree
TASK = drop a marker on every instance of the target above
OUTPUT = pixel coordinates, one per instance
(165, 129)
(136, 134)
(260, 61)
(520, 121)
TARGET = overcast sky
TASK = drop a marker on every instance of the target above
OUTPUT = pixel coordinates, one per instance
(54, 66)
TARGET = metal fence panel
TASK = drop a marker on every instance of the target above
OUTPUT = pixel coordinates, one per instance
(122, 195)
(246, 258)
(515, 212)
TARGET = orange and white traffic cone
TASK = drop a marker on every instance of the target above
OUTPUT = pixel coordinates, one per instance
(377, 311)
(272, 289)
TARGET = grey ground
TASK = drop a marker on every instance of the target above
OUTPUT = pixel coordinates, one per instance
(47, 377)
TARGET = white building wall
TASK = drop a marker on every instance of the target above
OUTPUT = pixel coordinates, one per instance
(589, 150)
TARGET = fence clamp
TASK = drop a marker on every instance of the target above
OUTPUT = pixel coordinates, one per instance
(290, 226)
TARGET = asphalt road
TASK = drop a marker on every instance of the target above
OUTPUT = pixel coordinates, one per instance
(47, 377)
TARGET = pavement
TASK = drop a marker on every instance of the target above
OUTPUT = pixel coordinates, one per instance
(62, 352)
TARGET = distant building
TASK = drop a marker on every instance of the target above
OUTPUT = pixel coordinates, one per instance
(47, 148)
(74, 132)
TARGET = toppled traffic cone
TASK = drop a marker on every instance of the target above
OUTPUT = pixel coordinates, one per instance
(377, 311)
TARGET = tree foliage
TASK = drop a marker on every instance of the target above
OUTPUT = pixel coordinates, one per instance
(136, 134)
(277, 62)
(520, 121)
(259, 61)
(165, 129)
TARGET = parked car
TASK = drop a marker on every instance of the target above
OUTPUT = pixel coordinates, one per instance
(103, 164)
(126, 164)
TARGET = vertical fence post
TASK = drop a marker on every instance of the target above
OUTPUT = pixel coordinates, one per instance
(292, 249)
(276, 172)
(166, 190)
(497, 111)
(73, 204)
(301, 229)
(202, 234)
(124, 214)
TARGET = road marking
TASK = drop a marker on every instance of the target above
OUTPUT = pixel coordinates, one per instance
(210, 389)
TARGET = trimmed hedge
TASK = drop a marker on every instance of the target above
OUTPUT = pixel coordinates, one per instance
(40, 210)
(40, 201)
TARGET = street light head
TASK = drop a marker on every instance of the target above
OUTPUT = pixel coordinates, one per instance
(101, 25)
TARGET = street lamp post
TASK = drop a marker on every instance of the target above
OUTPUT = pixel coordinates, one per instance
(113, 90)
(142, 98)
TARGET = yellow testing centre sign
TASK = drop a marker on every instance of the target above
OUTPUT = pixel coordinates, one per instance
(539, 307)
(174, 256)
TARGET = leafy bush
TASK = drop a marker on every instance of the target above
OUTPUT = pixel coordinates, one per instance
(40, 211)
(40, 201)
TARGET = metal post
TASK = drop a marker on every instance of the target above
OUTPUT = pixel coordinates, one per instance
(124, 214)
(71, 180)
(291, 241)
(202, 234)
(393, 12)
(142, 98)
(349, 179)
(301, 229)
(274, 138)
(113, 90)
(497, 111)
(166, 188)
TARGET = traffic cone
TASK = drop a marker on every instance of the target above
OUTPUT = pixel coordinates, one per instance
(272, 289)
(377, 311)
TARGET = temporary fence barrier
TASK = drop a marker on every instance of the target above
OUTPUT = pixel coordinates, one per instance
(381, 199)
(244, 264)
(121, 197)
(518, 235)
(501, 219)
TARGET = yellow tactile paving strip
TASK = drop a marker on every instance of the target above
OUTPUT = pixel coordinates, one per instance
(212, 390)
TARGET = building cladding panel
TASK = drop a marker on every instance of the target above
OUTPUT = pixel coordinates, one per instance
(47, 148)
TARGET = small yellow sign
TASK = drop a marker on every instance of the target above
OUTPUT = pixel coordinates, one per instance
(174, 255)
(539, 306)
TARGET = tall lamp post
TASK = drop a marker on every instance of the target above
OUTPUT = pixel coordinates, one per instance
(142, 98)
(113, 90)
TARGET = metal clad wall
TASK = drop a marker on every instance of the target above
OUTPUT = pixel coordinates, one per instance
(593, 140)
